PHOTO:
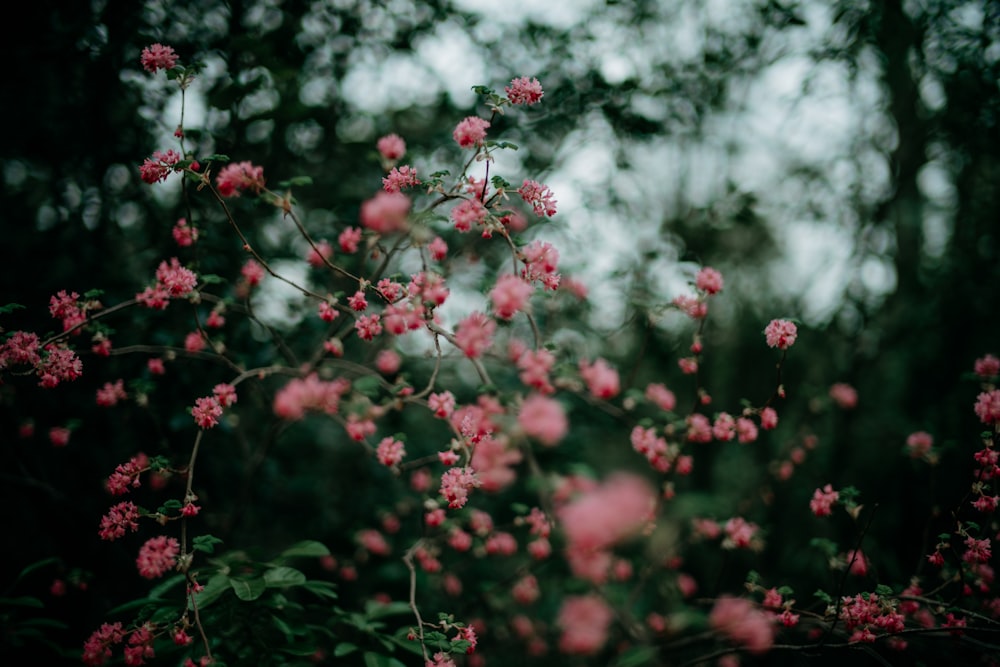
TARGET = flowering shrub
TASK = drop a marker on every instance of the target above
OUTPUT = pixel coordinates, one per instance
(487, 521)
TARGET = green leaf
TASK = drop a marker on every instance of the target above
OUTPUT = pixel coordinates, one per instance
(165, 586)
(344, 649)
(22, 601)
(205, 543)
(248, 589)
(323, 589)
(215, 157)
(9, 308)
(307, 548)
(212, 591)
(296, 180)
(376, 660)
(367, 385)
(282, 576)
(211, 279)
(883, 590)
(375, 609)
(824, 596)
(37, 565)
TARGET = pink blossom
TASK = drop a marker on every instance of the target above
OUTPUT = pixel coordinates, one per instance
(977, 551)
(159, 166)
(501, 543)
(373, 541)
(688, 365)
(614, 511)
(175, 279)
(988, 406)
(320, 255)
(391, 147)
(523, 90)
(844, 395)
(124, 515)
(535, 366)
(467, 213)
(206, 411)
(584, 620)
(239, 176)
(59, 436)
(22, 348)
(741, 622)
(541, 261)
(987, 367)
(438, 249)
(602, 380)
(59, 364)
(474, 334)
(823, 500)
(157, 56)
(359, 428)
(780, 334)
(349, 239)
(470, 132)
(746, 430)
(525, 590)
(400, 178)
(544, 419)
(386, 212)
(510, 296)
(388, 362)
(309, 393)
(97, 648)
(660, 396)
(919, 443)
(456, 484)
(699, 428)
(390, 451)
(225, 394)
(494, 461)
(157, 556)
(708, 280)
(252, 272)
(857, 563)
(185, 235)
(768, 418)
(441, 404)
(694, 307)
(724, 427)
(539, 196)
(111, 393)
(368, 326)
(741, 534)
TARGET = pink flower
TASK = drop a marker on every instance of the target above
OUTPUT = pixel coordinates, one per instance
(97, 648)
(780, 334)
(185, 235)
(470, 132)
(386, 212)
(390, 451)
(535, 366)
(159, 166)
(844, 395)
(857, 563)
(602, 380)
(746, 430)
(584, 620)
(318, 256)
(206, 411)
(225, 394)
(614, 511)
(124, 515)
(988, 407)
(438, 249)
(387, 362)
(441, 404)
(987, 367)
(708, 281)
(493, 462)
(467, 213)
(768, 418)
(919, 443)
(742, 623)
(368, 326)
(400, 179)
(391, 146)
(176, 280)
(523, 90)
(111, 393)
(194, 342)
(541, 261)
(349, 239)
(510, 296)
(456, 484)
(823, 500)
(741, 534)
(474, 334)
(699, 428)
(252, 272)
(724, 427)
(157, 556)
(539, 196)
(544, 419)
(373, 541)
(157, 56)
(238, 176)
(660, 396)
(59, 436)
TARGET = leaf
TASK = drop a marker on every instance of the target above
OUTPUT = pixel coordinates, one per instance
(824, 596)
(380, 609)
(344, 649)
(212, 591)
(307, 548)
(205, 543)
(166, 585)
(282, 576)
(248, 589)
(323, 589)
(637, 656)
(376, 660)
(9, 308)
(211, 279)
(883, 590)
(36, 565)
(367, 385)
(22, 601)
(215, 157)
(296, 180)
